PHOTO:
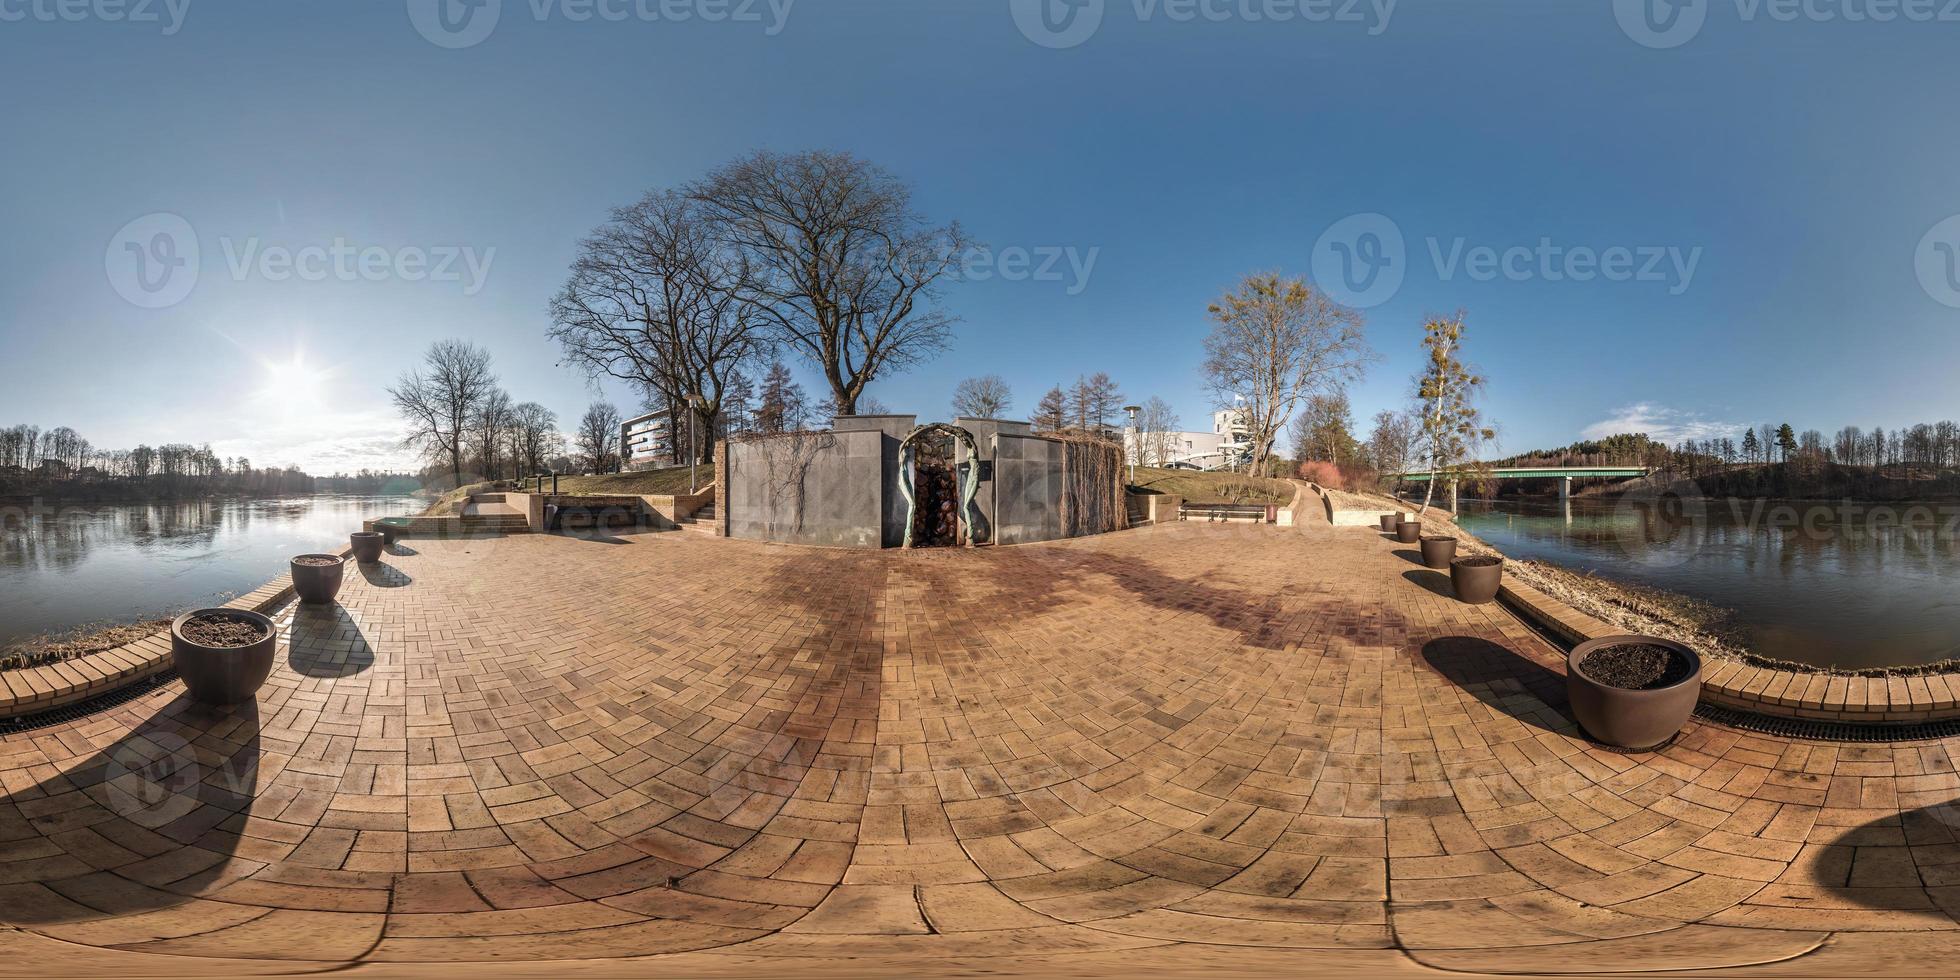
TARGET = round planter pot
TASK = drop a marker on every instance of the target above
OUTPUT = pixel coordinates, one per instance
(1389, 521)
(367, 546)
(1631, 719)
(223, 675)
(318, 583)
(1408, 532)
(1475, 582)
(1438, 552)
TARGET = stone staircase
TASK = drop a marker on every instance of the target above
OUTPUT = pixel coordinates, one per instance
(492, 512)
(702, 522)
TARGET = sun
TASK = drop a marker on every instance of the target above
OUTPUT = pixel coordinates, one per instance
(293, 382)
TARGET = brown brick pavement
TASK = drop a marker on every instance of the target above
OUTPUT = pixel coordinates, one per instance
(1183, 748)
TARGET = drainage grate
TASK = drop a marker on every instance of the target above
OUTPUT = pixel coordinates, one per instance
(82, 709)
(1825, 731)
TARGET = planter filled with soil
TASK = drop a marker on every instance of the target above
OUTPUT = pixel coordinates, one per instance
(1632, 691)
(1438, 552)
(1476, 578)
(1389, 521)
(367, 546)
(317, 578)
(223, 655)
(1408, 532)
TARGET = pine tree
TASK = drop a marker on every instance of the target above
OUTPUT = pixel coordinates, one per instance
(1750, 447)
(1786, 440)
(781, 406)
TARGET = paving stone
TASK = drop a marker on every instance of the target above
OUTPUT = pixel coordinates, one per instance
(1178, 738)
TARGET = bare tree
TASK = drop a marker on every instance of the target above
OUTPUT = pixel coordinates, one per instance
(1275, 341)
(837, 263)
(1392, 442)
(984, 397)
(533, 437)
(597, 439)
(492, 424)
(653, 299)
(1052, 414)
(439, 401)
(1154, 441)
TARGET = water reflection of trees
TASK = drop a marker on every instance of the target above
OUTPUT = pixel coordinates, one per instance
(59, 538)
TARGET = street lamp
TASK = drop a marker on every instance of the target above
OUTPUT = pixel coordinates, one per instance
(1138, 436)
(694, 405)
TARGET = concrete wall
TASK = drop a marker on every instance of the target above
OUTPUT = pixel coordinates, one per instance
(891, 430)
(820, 488)
(1027, 488)
(841, 488)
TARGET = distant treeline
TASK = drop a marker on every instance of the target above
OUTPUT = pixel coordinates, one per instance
(1916, 461)
(61, 463)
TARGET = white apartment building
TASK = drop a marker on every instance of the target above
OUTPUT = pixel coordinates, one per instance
(1228, 443)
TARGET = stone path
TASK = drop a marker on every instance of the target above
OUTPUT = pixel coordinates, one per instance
(1187, 749)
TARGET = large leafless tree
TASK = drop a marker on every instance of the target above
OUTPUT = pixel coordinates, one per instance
(534, 437)
(837, 263)
(440, 400)
(597, 439)
(1275, 341)
(984, 397)
(655, 299)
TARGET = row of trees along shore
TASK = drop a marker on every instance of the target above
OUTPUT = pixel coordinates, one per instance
(60, 462)
(1778, 460)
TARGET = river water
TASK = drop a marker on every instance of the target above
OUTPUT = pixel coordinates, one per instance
(66, 566)
(1827, 584)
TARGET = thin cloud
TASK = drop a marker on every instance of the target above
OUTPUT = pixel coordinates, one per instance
(1660, 423)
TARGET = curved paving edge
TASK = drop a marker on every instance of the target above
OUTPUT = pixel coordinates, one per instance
(40, 689)
(1781, 693)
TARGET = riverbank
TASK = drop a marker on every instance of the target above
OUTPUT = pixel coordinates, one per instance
(81, 641)
(1638, 608)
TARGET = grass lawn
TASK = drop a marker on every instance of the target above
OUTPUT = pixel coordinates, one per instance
(671, 480)
(1213, 488)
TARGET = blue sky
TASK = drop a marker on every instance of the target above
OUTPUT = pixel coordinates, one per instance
(1800, 166)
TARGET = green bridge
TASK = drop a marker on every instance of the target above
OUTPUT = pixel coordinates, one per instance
(1563, 474)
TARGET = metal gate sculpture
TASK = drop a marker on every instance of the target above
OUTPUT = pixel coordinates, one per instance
(908, 471)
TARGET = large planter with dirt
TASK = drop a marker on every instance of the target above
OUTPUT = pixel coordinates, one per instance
(317, 578)
(223, 655)
(1476, 578)
(1632, 691)
(367, 546)
(1438, 551)
(1389, 522)
(1408, 532)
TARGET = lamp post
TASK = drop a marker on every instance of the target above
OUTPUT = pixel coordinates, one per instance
(1136, 435)
(694, 404)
